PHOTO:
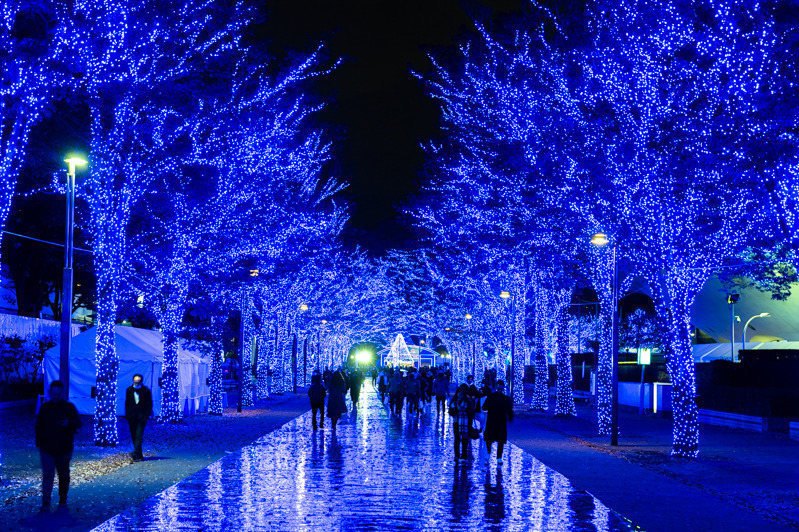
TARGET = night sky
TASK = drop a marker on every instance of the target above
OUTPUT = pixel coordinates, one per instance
(377, 112)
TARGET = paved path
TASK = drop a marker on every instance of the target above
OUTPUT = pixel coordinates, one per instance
(377, 472)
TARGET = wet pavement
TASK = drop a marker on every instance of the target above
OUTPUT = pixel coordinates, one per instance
(376, 472)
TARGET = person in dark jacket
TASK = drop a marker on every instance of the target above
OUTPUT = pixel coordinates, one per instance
(56, 425)
(461, 408)
(336, 407)
(138, 407)
(441, 391)
(396, 392)
(316, 393)
(499, 410)
(413, 390)
(355, 383)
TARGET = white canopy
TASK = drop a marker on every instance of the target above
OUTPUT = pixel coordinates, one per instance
(140, 351)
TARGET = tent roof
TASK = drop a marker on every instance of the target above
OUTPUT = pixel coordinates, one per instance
(708, 352)
(132, 344)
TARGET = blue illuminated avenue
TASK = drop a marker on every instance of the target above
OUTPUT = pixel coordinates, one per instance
(375, 472)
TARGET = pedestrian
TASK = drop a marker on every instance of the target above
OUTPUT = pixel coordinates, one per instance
(396, 392)
(316, 393)
(461, 409)
(56, 425)
(336, 407)
(484, 391)
(441, 391)
(499, 411)
(356, 381)
(326, 377)
(429, 377)
(382, 385)
(138, 407)
(373, 373)
(412, 391)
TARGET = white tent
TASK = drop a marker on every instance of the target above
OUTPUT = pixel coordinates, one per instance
(140, 351)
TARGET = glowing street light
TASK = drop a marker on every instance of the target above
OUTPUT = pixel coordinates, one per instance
(363, 357)
(66, 297)
(599, 239)
(468, 316)
(743, 334)
(504, 294)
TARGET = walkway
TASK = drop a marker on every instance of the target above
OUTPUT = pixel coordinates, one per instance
(377, 472)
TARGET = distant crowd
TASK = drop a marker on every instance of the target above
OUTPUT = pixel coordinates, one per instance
(477, 411)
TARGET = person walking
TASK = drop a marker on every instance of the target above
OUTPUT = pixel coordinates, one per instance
(55, 430)
(138, 407)
(461, 408)
(336, 406)
(441, 391)
(373, 373)
(382, 385)
(499, 411)
(355, 383)
(316, 394)
(396, 392)
(412, 391)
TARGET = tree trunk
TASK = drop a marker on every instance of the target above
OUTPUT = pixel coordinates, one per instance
(107, 361)
(604, 371)
(171, 411)
(564, 404)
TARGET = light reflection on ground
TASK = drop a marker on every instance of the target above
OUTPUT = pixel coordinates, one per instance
(377, 472)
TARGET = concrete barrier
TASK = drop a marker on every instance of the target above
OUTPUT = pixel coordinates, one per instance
(793, 430)
(17, 404)
(736, 421)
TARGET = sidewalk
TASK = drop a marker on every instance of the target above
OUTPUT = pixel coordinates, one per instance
(740, 481)
(105, 481)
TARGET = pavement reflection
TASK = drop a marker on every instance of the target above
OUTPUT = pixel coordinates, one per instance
(376, 472)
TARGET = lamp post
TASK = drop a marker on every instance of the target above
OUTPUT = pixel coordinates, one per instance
(599, 240)
(732, 299)
(474, 349)
(66, 297)
(743, 333)
(303, 308)
(507, 295)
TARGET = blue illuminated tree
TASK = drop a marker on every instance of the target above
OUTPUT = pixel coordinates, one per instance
(33, 73)
(641, 120)
(684, 89)
(144, 69)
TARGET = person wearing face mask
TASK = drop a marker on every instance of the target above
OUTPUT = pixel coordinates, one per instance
(138, 407)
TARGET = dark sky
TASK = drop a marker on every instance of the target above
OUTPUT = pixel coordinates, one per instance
(377, 110)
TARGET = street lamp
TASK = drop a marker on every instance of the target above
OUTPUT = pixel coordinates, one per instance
(732, 299)
(66, 296)
(506, 295)
(599, 240)
(303, 308)
(743, 334)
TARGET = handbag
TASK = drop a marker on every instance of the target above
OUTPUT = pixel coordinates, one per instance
(474, 430)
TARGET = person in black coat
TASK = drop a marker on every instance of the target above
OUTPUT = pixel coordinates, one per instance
(138, 407)
(499, 410)
(56, 425)
(336, 407)
(316, 393)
